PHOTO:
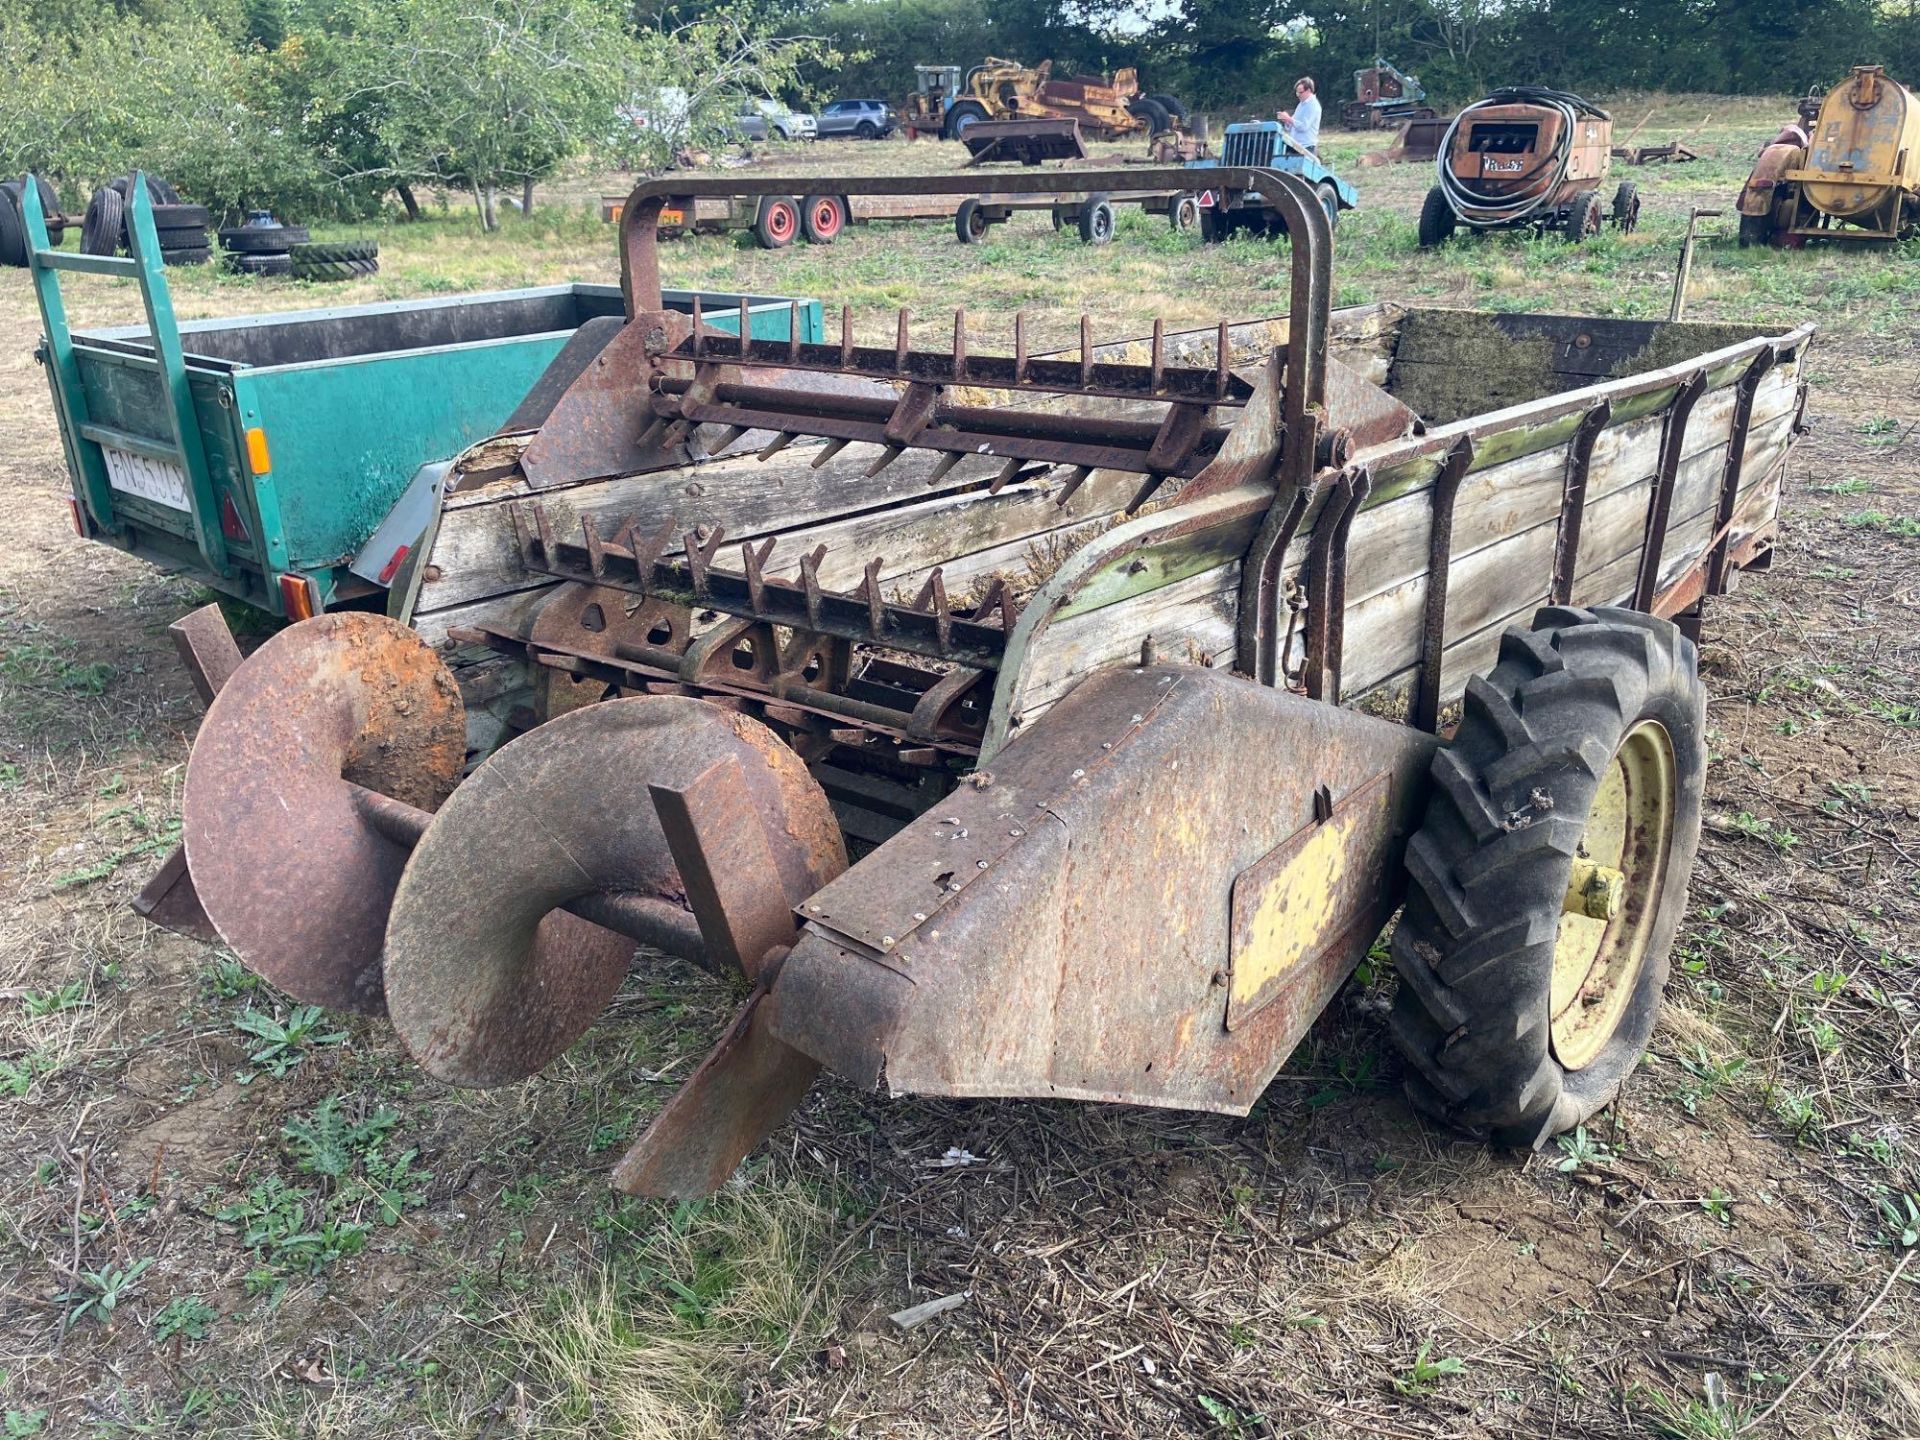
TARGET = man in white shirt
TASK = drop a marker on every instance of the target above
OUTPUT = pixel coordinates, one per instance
(1303, 121)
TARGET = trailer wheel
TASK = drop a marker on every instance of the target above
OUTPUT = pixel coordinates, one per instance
(1184, 214)
(1437, 220)
(1550, 874)
(1096, 219)
(1583, 219)
(1626, 207)
(1756, 230)
(13, 233)
(777, 223)
(970, 222)
(822, 218)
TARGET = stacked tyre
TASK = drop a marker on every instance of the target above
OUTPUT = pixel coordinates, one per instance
(335, 260)
(180, 227)
(13, 224)
(262, 246)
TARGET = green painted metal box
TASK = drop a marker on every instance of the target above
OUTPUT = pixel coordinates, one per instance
(343, 405)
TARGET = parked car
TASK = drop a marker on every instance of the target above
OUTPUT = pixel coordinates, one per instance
(860, 119)
(770, 120)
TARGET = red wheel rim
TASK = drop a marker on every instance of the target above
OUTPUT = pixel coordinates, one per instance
(782, 219)
(826, 217)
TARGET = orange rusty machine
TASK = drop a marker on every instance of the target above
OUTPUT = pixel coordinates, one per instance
(1526, 157)
(1856, 178)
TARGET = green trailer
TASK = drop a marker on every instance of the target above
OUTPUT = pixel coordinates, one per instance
(297, 460)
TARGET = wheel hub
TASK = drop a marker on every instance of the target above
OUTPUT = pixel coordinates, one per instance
(1613, 894)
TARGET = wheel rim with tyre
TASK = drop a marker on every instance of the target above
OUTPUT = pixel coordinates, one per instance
(1601, 947)
(1184, 214)
(1096, 220)
(823, 219)
(1549, 875)
(865, 130)
(779, 223)
(1329, 202)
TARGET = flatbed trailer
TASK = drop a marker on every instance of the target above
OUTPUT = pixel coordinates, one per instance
(1009, 723)
(820, 214)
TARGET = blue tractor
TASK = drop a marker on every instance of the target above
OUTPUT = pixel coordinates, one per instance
(1263, 144)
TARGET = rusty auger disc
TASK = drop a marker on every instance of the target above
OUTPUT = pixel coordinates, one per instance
(560, 814)
(293, 876)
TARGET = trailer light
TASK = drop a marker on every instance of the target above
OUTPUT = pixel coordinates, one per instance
(231, 525)
(299, 597)
(388, 570)
(77, 516)
(258, 460)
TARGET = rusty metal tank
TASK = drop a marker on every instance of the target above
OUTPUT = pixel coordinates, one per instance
(1863, 157)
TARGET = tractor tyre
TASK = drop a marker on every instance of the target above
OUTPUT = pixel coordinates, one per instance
(1584, 218)
(1550, 874)
(260, 264)
(970, 222)
(1626, 207)
(1437, 220)
(186, 255)
(324, 271)
(158, 190)
(13, 233)
(1096, 219)
(1154, 113)
(961, 115)
(777, 223)
(100, 227)
(1329, 198)
(1175, 108)
(1756, 230)
(822, 218)
(343, 251)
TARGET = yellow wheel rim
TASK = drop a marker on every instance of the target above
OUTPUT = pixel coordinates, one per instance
(1613, 895)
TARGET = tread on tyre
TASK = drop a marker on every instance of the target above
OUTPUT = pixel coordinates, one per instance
(1579, 762)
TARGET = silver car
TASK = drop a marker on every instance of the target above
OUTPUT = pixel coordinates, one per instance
(770, 120)
(857, 119)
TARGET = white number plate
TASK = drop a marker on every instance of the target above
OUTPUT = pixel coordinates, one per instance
(160, 481)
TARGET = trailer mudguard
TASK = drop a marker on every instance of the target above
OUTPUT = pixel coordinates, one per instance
(1148, 899)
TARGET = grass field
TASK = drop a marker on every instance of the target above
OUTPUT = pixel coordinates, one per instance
(222, 1214)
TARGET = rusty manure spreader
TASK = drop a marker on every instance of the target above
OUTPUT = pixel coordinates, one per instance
(1009, 723)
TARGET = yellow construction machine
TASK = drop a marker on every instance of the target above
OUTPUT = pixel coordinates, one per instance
(946, 101)
(1855, 177)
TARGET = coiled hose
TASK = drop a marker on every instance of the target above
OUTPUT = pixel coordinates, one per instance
(1526, 196)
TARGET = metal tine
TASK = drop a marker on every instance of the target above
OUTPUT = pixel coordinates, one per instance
(699, 556)
(1074, 482)
(754, 563)
(545, 527)
(622, 541)
(932, 600)
(828, 451)
(793, 331)
(869, 591)
(959, 344)
(699, 340)
(887, 456)
(651, 433)
(999, 597)
(846, 335)
(727, 437)
(810, 583)
(522, 537)
(746, 329)
(1221, 370)
(779, 443)
(596, 552)
(900, 343)
(1158, 359)
(646, 554)
(1086, 349)
(1145, 492)
(1019, 347)
(947, 462)
(999, 482)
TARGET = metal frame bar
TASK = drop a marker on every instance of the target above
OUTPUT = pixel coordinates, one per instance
(1748, 386)
(1327, 584)
(1433, 635)
(1573, 501)
(1673, 442)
